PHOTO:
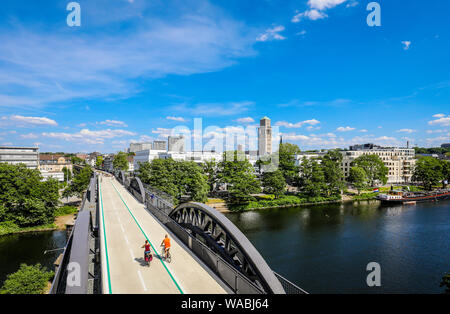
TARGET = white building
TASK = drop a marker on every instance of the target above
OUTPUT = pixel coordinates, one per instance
(146, 155)
(399, 161)
(20, 155)
(264, 137)
(159, 145)
(299, 157)
(176, 144)
(56, 175)
(135, 147)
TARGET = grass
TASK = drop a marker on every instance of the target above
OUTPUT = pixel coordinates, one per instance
(284, 200)
(65, 210)
(9, 227)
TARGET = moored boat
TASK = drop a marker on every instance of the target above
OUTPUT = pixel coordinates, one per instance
(403, 197)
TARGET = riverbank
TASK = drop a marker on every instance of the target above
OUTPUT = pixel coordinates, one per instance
(63, 216)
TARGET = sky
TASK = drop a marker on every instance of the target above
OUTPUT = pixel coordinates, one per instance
(136, 69)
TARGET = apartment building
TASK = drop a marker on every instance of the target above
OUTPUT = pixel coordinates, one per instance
(53, 163)
(399, 161)
(20, 155)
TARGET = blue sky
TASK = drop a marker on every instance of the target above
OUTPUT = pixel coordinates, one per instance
(137, 68)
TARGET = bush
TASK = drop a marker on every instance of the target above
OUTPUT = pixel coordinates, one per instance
(27, 280)
(7, 227)
(65, 210)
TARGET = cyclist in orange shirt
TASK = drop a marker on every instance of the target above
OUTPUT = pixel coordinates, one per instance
(166, 244)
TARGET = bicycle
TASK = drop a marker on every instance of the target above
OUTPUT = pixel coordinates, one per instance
(163, 254)
(148, 258)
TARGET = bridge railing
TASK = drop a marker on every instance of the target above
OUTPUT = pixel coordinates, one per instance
(289, 287)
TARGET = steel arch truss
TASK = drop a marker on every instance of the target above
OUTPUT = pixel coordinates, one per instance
(222, 236)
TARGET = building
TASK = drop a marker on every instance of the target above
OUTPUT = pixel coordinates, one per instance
(20, 155)
(55, 175)
(82, 156)
(308, 155)
(159, 145)
(399, 161)
(176, 144)
(264, 137)
(54, 163)
(108, 163)
(135, 147)
(445, 145)
(130, 160)
(146, 155)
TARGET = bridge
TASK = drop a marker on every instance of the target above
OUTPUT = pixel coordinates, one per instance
(209, 254)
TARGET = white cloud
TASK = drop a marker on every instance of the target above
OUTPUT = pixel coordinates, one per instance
(272, 34)
(245, 120)
(28, 136)
(26, 121)
(406, 44)
(439, 115)
(443, 121)
(324, 4)
(214, 109)
(298, 124)
(309, 14)
(363, 131)
(180, 119)
(406, 131)
(88, 136)
(345, 129)
(114, 123)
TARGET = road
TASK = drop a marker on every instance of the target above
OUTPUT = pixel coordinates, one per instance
(125, 224)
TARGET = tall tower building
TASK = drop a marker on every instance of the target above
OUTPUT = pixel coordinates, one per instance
(264, 137)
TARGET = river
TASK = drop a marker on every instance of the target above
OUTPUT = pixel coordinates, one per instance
(29, 248)
(326, 248)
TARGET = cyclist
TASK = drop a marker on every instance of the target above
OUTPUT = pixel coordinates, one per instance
(166, 244)
(146, 247)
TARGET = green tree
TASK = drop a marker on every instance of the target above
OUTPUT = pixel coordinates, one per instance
(27, 280)
(24, 198)
(287, 165)
(176, 178)
(428, 170)
(312, 178)
(446, 282)
(67, 174)
(238, 174)
(80, 183)
(445, 172)
(274, 183)
(358, 178)
(99, 161)
(373, 167)
(77, 161)
(210, 168)
(120, 161)
(334, 176)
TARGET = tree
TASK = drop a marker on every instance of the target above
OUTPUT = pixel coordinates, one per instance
(79, 183)
(287, 165)
(120, 161)
(358, 178)
(428, 170)
(27, 280)
(446, 282)
(312, 178)
(373, 167)
(176, 178)
(334, 176)
(239, 176)
(274, 183)
(67, 174)
(77, 161)
(445, 172)
(24, 198)
(99, 161)
(210, 168)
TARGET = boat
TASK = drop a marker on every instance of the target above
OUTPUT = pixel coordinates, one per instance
(406, 197)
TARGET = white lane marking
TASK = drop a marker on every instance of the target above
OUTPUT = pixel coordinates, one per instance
(121, 227)
(142, 280)
(132, 255)
(126, 239)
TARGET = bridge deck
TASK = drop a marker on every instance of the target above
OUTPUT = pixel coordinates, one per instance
(125, 224)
